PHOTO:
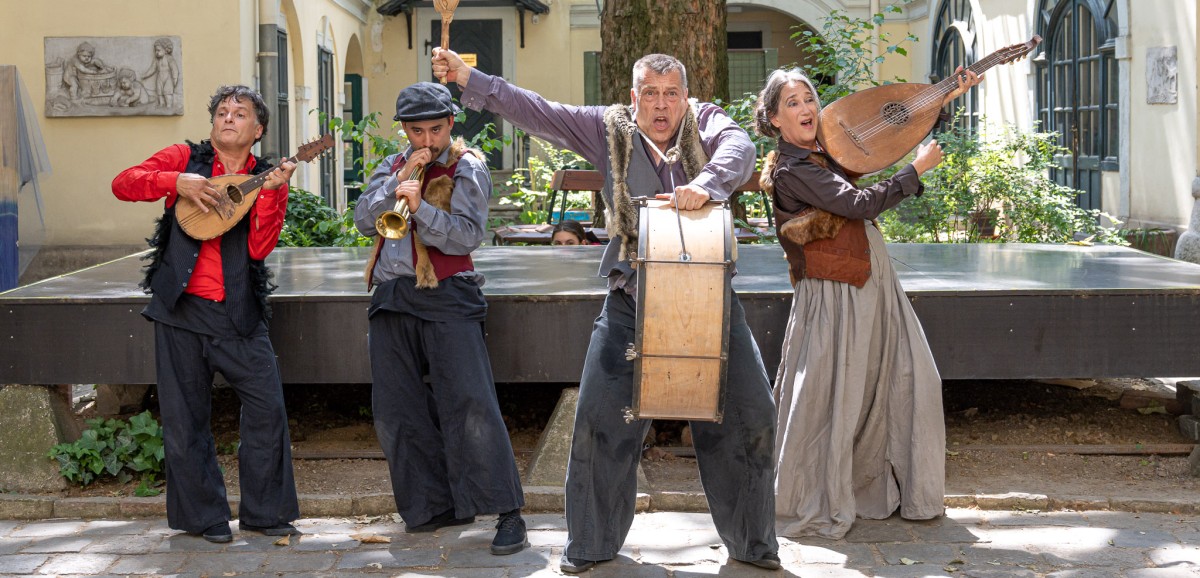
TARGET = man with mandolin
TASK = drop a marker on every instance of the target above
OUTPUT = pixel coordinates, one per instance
(447, 448)
(210, 312)
(632, 146)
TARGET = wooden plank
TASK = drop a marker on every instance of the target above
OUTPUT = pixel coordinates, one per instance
(678, 388)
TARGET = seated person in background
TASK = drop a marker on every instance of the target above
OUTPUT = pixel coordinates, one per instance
(568, 232)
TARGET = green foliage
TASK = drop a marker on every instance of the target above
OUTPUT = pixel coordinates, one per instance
(116, 448)
(843, 54)
(311, 222)
(1002, 183)
(533, 184)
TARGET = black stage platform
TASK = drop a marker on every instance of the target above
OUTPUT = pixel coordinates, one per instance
(990, 311)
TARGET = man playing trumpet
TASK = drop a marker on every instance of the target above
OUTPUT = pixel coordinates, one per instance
(447, 448)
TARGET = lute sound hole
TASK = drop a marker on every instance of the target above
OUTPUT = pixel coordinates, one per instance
(896, 113)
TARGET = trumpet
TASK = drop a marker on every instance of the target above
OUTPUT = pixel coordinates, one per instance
(393, 224)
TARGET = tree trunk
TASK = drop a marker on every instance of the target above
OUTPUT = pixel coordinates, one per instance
(691, 30)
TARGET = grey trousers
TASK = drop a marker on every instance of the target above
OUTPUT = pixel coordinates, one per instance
(196, 500)
(736, 457)
(445, 441)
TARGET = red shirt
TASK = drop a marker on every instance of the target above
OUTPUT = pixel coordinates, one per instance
(155, 179)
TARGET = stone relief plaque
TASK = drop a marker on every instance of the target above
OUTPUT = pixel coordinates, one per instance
(1162, 70)
(114, 76)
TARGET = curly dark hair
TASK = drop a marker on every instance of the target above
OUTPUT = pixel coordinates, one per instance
(238, 92)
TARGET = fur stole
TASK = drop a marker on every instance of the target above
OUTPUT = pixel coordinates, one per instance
(622, 132)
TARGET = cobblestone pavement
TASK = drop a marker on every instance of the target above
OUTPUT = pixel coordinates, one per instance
(965, 542)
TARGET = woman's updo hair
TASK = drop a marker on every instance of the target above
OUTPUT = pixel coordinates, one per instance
(768, 100)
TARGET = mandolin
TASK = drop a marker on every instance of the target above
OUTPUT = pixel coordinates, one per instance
(869, 130)
(237, 195)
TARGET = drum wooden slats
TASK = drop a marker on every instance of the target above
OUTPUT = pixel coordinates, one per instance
(682, 313)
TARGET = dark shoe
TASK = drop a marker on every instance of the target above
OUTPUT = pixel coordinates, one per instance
(284, 529)
(441, 520)
(769, 561)
(510, 534)
(574, 565)
(218, 533)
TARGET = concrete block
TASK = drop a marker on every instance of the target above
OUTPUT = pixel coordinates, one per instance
(1194, 462)
(549, 464)
(113, 400)
(372, 505)
(325, 505)
(19, 507)
(1189, 426)
(544, 499)
(87, 508)
(155, 507)
(36, 419)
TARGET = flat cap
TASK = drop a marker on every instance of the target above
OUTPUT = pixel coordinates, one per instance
(424, 101)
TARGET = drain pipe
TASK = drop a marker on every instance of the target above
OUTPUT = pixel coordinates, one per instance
(268, 79)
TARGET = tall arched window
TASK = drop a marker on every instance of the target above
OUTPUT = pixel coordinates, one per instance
(1077, 90)
(954, 34)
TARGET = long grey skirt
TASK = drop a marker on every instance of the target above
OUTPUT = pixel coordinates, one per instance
(861, 431)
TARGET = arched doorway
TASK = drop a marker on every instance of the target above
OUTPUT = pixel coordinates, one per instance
(955, 45)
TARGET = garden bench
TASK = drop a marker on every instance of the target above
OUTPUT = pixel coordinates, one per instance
(566, 180)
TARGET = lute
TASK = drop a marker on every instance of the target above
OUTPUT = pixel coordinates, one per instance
(869, 130)
(237, 194)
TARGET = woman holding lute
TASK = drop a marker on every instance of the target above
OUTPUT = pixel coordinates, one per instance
(861, 431)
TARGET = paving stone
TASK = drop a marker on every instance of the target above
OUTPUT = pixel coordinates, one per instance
(995, 555)
(1089, 555)
(53, 544)
(47, 529)
(731, 569)
(876, 531)
(1176, 556)
(545, 521)
(216, 564)
(945, 533)
(910, 571)
(149, 564)
(1082, 573)
(539, 538)
(1143, 539)
(1025, 519)
(7, 526)
(695, 554)
(1162, 573)
(295, 562)
(831, 552)
(136, 544)
(115, 527)
(22, 563)
(992, 572)
(77, 564)
(928, 553)
(609, 570)
(12, 545)
(480, 556)
(391, 558)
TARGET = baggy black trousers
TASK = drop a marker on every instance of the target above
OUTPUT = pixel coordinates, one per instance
(445, 441)
(736, 457)
(186, 362)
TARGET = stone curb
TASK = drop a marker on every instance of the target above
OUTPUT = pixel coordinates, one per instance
(545, 499)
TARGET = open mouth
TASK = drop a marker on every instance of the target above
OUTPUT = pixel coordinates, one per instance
(661, 123)
(807, 123)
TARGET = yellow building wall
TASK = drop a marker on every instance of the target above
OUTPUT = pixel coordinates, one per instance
(1162, 161)
(87, 152)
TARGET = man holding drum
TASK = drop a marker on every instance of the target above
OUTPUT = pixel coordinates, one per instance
(628, 145)
(448, 451)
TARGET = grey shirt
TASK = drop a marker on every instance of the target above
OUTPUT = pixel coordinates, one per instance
(581, 129)
(457, 232)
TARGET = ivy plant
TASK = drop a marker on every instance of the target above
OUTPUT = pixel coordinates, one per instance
(117, 449)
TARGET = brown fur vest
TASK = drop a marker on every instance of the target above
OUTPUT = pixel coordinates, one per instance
(619, 122)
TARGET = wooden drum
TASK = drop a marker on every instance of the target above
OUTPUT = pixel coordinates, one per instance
(682, 339)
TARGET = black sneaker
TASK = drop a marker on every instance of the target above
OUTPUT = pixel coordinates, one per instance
(218, 533)
(510, 534)
(439, 521)
(769, 561)
(283, 529)
(574, 565)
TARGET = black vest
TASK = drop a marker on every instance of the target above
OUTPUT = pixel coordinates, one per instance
(247, 281)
